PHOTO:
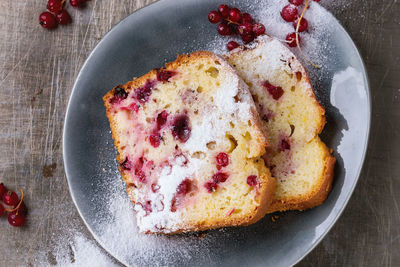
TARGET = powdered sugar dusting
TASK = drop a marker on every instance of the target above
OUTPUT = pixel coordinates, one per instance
(169, 180)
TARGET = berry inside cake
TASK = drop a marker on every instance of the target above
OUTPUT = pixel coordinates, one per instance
(190, 144)
(293, 118)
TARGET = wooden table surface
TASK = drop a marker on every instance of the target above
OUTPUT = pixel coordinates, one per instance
(38, 69)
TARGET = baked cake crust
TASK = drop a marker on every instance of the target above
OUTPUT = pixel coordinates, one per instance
(293, 76)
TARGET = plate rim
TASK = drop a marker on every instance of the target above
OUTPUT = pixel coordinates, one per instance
(346, 200)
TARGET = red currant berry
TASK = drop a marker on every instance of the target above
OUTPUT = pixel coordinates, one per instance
(303, 25)
(10, 198)
(222, 159)
(252, 180)
(224, 29)
(63, 17)
(54, 6)
(289, 13)
(184, 187)
(232, 45)
(291, 38)
(47, 20)
(296, 2)
(220, 177)
(210, 186)
(2, 210)
(77, 3)
(16, 218)
(246, 17)
(258, 29)
(22, 209)
(245, 28)
(235, 15)
(155, 139)
(3, 189)
(317, 0)
(224, 10)
(248, 37)
(214, 17)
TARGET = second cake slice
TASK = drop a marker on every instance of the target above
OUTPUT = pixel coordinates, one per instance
(189, 142)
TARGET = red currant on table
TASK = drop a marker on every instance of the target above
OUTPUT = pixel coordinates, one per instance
(246, 17)
(296, 2)
(77, 3)
(2, 210)
(232, 45)
(10, 198)
(258, 29)
(63, 17)
(22, 209)
(3, 189)
(291, 38)
(224, 10)
(54, 6)
(16, 218)
(47, 20)
(214, 17)
(303, 25)
(235, 15)
(224, 29)
(289, 13)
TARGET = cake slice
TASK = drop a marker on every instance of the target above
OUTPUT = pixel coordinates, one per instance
(190, 144)
(293, 118)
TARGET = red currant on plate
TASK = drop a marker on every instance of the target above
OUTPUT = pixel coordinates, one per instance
(224, 10)
(291, 38)
(245, 28)
(248, 37)
(224, 29)
(246, 17)
(303, 25)
(235, 15)
(214, 17)
(296, 2)
(289, 13)
(258, 29)
(232, 45)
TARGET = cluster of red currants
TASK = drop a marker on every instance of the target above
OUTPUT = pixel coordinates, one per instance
(233, 21)
(56, 13)
(290, 13)
(15, 207)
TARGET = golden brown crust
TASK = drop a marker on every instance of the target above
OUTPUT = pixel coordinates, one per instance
(317, 195)
(267, 189)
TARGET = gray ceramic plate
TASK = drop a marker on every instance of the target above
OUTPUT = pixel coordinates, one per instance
(147, 39)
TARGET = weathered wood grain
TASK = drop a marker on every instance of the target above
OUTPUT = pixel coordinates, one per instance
(37, 71)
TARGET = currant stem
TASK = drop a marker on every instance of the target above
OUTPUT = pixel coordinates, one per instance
(230, 21)
(19, 204)
(297, 36)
